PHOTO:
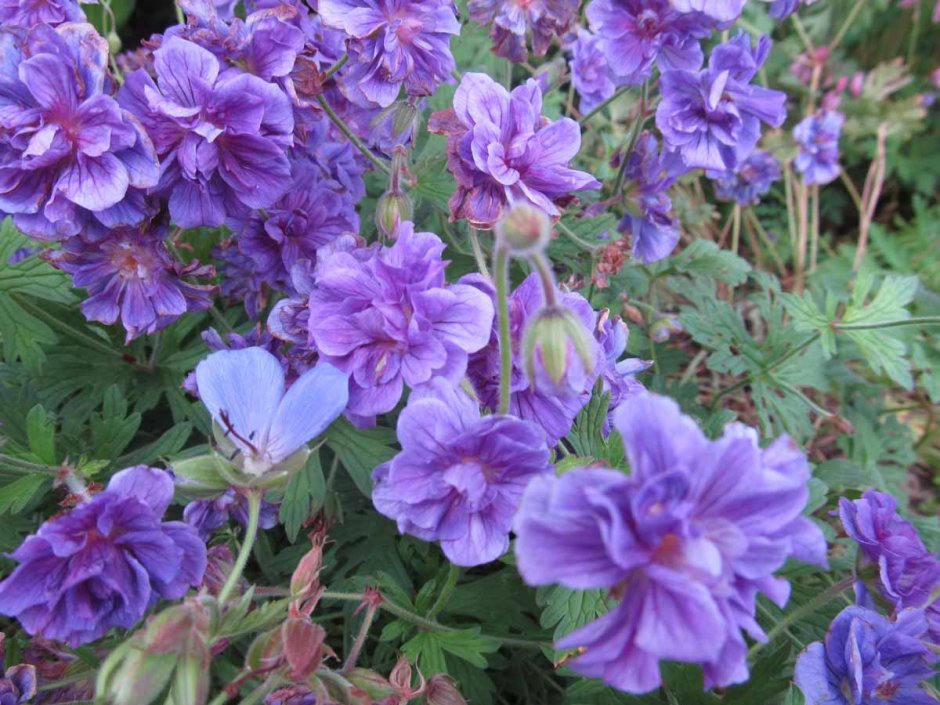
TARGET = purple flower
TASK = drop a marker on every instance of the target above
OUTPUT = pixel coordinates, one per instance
(782, 9)
(712, 117)
(635, 34)
(104, 563)
(868, 660)
(722, 10)
(393, 43)
(131, 277)
(66, 147)
(649, 220)
(17, 683)
(386, 316)
(244, 391)
(752, 179)
(459, 477)
(818, 139)
(313, 213)
(208, 515)
(553, 407)
(29, 13)
(619, 376)
(502, 150)
(590, 71)
(688, 541)
(221, 135)
(511, 20)
(291, 695)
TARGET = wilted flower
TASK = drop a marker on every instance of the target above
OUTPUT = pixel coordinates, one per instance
(387, 316)
(502, 150)
(221, 135)
(868, 660)
(29, 13)
(131, 277)
(510, 21)
(208, 515)
(393, 43)
(69, 150)
(712, 117)
(688, 541)
(104, 563)
(818, 139)
(459, 477)
(244, 391)
(749, 181)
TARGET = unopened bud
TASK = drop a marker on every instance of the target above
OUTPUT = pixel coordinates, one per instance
(524, 229)
(441, 690)
(303, 646)
(554, 338)
(400, 679)
(114, 43)
(393, 208)
(305, 582)
(371, 683)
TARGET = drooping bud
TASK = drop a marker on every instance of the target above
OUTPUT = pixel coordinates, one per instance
(304, 646)
(552, 339)
(401, 679)
(441, 690)
(305, 582)
(392, 209)
(524, 229)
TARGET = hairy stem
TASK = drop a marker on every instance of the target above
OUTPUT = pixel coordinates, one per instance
(453, 574)
(601, 106)
(501, 273)
(344, 128)
(251, 532)
(336, 67)
(360, 641)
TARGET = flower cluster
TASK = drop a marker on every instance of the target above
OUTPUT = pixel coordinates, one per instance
(512, 22)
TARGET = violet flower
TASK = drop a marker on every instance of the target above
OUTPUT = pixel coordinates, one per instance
(721, 10)
(712, 117)
(68, 149)
(17, 683)
(868, 660)
(386, 316)
(104, 563)
(29, 13)
(512, 21)
(590, 71)
(619, 376)
(752, 179)
(208, 515)
(393, 43)
(818, 139)
(222, 136)
(502, 150)
(459, 476)
(688, 541)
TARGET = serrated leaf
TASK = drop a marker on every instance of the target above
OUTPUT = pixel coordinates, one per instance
(111, 430)
(427, 648)
(170, 443)
(303, 497)
(31, 276)
(40, 430)
(360, 450)
(22, 334)
(261, 618)
(704, 258)
(565, 610)
(15, 496)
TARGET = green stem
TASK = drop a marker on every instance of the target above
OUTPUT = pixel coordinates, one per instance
(603, 105)
(453, 574)
(813, 227)
(736, 228)
(849, 21)
(544, 268)
(338, 121)
(915, 321)
(360, 641)
(478, 253)
(765, 238)
(580, 242)
(336, 67)
(501, 272)
(251, 532)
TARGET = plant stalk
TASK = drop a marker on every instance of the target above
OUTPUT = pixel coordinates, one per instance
(251, 532)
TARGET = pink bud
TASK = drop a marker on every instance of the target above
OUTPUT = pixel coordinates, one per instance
(303, 643)
(441, 690)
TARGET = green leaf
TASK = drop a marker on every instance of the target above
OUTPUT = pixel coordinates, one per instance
(704, 258)
(23, 335)
(15, 496)
(31, 276)
(40, 429)
(304, 496)
(427, 648)
(360, 450)
(170, 443)
(565, 610)
(111, 430)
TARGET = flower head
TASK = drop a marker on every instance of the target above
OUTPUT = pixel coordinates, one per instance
(688, 540)
(208, 515)
(244, 391)
(752, 179)
(459, 476)
(818, 140)
(511, 21)
(868, 660)
(502, 151)
(712, 117)
(722, 10)
(387, 317)
(29, 13)
(222, 135)
(104, 563)
(69, 152)
(393, 43)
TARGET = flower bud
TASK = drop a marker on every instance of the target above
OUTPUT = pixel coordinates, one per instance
(524, 229)
(371, 683)
(664, 328)
(442, 691)
(400, 679)
(305, 582)
(114, 42)
(551, 337)
(303, 646)
(393, 208)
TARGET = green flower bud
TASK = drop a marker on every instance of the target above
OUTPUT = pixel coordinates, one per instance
(371, 683)
(114, 43)
(393, 208)
(551, 337)
(524, 229)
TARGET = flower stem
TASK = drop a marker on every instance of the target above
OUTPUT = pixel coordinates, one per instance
(360, 641)
(849, 21)
(501, 273)
(601, 106)
(544, 268)
(453, 574)
(813, 227)
(338, 121)
(336, 67)
(736, 228)
(478, 253)
(251, 532)
(915, 321)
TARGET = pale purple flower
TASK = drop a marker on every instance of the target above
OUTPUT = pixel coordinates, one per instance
(17, 683)
(244, 391)
(104, 563)
(387, 317)
(721, 10)
(868, 660)
(29, 13)
(209, 515)
(512, 21)
(67, 149)
(749, 181)
(130, 276)
(459, 476)
(393, 43)
(501, 151)
(619, 376)
(687, 541)
(636, 34)
(712, 117)
(222, 135)
(818, 139)
(590, 71)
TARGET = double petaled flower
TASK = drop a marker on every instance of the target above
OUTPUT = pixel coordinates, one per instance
(511, 21)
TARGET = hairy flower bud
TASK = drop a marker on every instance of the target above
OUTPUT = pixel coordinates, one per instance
(552, 337)
(524, 229)
(303, 643)
(441, 690)
(371, 683)
(393, 208)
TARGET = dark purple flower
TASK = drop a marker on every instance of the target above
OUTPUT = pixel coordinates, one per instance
(104, 563)
(29, 13)
(131, 277)
(222, 136)
(752, 179)
(868, 660)
(208, 515)
(67, 149)
(712, 117)
(687, 541)
(635, 34)
(818, 139)
(510, 21)
(553, 407)
(459, 476)
(17, 683)
(502, 150)
(319, 141)
(387, 316)
(393, 43)
(590, 71)
(722, 10)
